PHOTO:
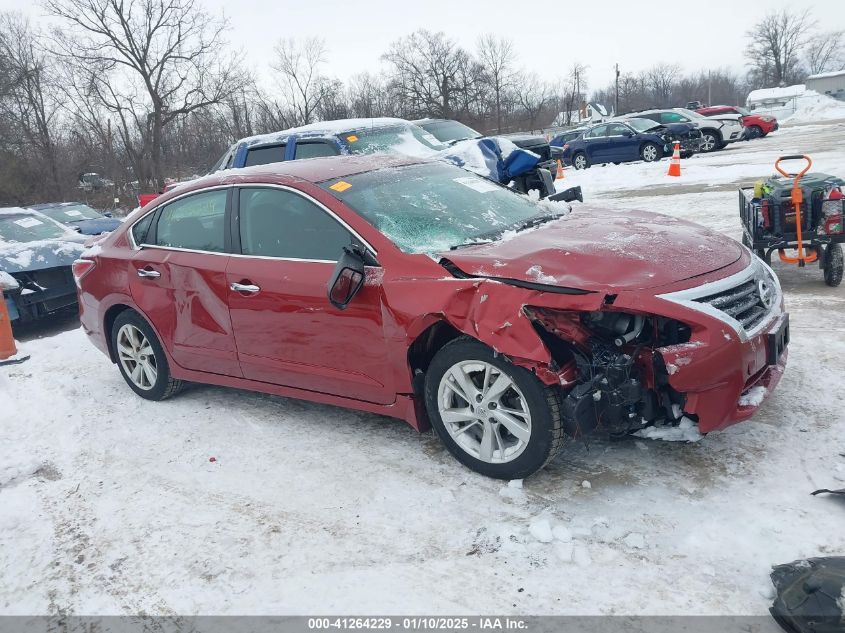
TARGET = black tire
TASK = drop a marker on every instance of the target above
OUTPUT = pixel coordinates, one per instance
(754, 131)
(644, 150)
(164, 385)
(580, 158)
(686, 155)
(543, 403)
(711, 141)
(833, 265)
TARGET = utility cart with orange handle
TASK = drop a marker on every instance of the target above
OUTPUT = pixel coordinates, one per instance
(800, 215)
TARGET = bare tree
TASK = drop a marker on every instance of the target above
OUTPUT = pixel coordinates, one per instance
(27, 103)
(775, 44)
(149, 62)
(429, 73)
(826, 52)
(497, 56)
(661, 79)
(298, 63)
(533, 96)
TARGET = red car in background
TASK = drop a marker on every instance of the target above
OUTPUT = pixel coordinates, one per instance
(418, 290)
(756, 125)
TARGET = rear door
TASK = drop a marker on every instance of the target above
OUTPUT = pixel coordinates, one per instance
(286, 330)
(178, 280)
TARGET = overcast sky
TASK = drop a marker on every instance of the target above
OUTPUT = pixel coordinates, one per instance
(549, 34)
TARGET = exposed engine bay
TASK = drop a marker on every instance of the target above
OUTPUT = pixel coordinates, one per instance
(616, 381)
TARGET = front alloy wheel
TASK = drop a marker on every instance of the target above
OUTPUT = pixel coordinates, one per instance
(580, 161)
(495, 417)
(650, 152)
(484, 411)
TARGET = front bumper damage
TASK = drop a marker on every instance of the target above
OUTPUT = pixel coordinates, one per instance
(690, 359)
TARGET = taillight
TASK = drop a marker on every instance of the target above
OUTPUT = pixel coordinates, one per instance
(82, 267)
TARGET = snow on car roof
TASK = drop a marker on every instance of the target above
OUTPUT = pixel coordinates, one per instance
(325, 127)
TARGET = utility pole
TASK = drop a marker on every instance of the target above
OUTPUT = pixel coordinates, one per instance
(616, 109)
(709, 88)
(578, 93)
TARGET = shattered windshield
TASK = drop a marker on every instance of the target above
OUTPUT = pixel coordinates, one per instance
(403, 139)
(70, 213)
(27, 228)
(432, 207)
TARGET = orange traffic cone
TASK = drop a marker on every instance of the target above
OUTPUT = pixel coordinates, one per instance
(675, 163)
(8, 351)
(559, 175)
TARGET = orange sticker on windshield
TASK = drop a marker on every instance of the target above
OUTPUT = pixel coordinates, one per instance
(340, 185)
(351, 138)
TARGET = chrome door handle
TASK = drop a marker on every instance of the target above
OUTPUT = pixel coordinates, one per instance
(244, 287)
(152, 274)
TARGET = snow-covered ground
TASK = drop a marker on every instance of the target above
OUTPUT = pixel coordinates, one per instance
(111, 504)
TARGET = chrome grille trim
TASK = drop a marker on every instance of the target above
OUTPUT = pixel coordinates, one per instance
(735, 300)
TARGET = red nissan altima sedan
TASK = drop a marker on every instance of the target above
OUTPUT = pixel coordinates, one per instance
(418, 290)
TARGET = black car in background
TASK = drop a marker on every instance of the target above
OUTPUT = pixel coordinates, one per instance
(36, 254)
(78, 216)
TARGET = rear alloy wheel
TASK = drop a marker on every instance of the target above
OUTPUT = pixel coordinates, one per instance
(833, 264)
(650, 152)
(710, 141)
(141, 359)
(579, 161)
(495, 417)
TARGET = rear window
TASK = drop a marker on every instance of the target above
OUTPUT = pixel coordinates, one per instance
(28, 228)
(265, 155)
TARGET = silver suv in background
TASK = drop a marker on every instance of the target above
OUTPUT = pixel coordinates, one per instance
(716, 131)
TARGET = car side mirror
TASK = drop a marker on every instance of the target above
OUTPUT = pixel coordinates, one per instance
(347, 280)
(628, 133)
(108, 214)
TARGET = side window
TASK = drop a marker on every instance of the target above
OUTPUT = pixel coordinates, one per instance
(671, 117)
(196, 222)
(265, 155)
(617, 130)
(141, 228)
(315, 150)
(280, 223)
(596, 132)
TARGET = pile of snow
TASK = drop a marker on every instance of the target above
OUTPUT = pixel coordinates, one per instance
(812, 106)
(795, 104)
(686, 431)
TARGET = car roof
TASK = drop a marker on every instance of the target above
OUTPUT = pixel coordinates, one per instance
(323, 129)
(49, 205)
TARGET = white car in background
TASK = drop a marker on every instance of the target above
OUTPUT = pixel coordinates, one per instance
(716, 131)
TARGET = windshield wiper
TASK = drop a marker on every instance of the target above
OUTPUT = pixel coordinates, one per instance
(536, 220)
(466, 244)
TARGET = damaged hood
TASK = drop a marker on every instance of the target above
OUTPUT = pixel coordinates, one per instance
(601, 250)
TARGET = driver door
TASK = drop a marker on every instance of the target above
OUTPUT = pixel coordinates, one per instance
(286, 330)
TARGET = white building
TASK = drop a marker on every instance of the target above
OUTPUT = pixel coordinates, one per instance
(831, 84)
